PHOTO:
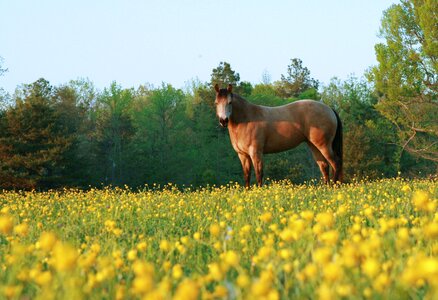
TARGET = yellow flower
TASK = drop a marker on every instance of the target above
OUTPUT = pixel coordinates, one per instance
(368, 212)
(288, 267)
(332, 272)
(142, 284)
(403, 234)
(325, 219)
(142, 246)
(187, 290)
(431, 230)
(87, 260)
(325, 292)
(164, 245)
(330, 237)
(117, 232)
(215, 271)
(185, 240)
(22, 229)
(220, 292)
(285, 253)
(344, 290)
(177, 271)
(197, 236)
(142, 268)
(243, 280)
(132, 255)
(167, 265)
(232, 258)
(322, 255)
(47, 241)
(288, 235)
(266, 217)
(110, 225)
(217, 246)
(370, 267)
(215, 230)
(310, 271)
(428, 267)
(245, 230)
(381, 282)
(420, 200)
(264, 252)
(12, 291)
(342, 209)
(43, 278)
(260, 289)
(405, 188)
(6, 224)
(307, 215)
(64, 257)
(120, 292)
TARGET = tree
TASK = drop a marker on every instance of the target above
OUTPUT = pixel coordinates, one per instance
(72, 113)
(224, 75)
(296, 81)
(369, 149)
(34, 140)
(113, 132)
(160, 141)
(407, 73)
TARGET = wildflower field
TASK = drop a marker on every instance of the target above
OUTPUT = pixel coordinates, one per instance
(376, 240)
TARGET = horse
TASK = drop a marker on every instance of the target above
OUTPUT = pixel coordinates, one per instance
(256, 130)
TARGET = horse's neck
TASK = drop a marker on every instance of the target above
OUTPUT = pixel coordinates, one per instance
(242, 110)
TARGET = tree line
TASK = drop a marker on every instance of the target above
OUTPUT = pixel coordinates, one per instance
(74, 135)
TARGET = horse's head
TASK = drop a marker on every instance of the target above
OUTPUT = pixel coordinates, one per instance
(224, 97)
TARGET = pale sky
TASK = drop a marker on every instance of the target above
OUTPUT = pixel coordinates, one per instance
(174, 41)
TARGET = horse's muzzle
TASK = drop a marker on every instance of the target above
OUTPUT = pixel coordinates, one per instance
(223, 122)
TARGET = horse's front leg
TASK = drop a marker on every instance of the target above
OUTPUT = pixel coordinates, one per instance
(246, 166)
(257, 161)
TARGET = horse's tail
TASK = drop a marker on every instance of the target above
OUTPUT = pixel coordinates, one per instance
(337, 146)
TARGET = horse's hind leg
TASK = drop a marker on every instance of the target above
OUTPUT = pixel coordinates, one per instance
(329, 155)
(321, 161)
(245, 160)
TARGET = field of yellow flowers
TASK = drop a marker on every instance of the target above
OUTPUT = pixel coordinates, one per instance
(376, 240)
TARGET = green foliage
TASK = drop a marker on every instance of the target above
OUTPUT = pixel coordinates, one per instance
(406, 77)
(36, 138)
(224, 75)
(296, 81)
(369, 140)
(74, 135)
(113, 132)
(264, 94)
(157, 120)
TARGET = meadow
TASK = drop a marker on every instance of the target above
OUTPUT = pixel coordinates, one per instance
(364, 240)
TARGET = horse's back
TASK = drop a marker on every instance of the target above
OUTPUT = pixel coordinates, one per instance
(293, 123)
(318, 121)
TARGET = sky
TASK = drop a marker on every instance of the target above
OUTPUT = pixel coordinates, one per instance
(175, 41)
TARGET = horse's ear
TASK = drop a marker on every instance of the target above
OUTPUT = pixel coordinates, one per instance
(230, 88)
(216, 87)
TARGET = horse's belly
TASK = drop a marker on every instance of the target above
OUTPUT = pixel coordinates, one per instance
(281, 139)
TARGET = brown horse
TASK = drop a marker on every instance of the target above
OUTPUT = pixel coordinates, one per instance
(255, 130)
